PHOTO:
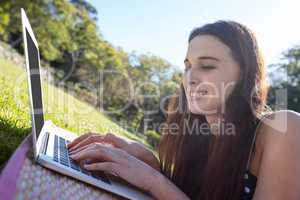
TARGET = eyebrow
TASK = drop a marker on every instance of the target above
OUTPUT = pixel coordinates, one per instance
(204, 58)
(208, 57)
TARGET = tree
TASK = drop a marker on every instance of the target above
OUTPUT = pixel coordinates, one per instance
(70, 40)
(286, 75)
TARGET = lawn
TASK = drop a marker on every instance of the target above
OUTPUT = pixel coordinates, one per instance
(63, 109)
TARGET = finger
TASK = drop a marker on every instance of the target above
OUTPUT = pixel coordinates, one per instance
(78, 139)
(115, 140)
(77, 150)
(102, 152)
(108, 138)
(87, 154)
(110, 167)
(90, 139)
(81, 148)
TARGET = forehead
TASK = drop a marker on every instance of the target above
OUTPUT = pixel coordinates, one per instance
(207, 45)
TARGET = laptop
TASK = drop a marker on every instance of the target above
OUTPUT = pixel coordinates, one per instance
(49, 141)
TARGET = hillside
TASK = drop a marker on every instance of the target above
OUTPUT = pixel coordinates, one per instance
(63, 109)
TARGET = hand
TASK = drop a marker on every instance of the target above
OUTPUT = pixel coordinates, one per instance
(133, 148)
(118, 162)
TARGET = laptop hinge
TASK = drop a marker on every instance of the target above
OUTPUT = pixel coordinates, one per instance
(45, 143)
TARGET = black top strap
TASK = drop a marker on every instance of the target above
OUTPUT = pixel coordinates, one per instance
(253, 142)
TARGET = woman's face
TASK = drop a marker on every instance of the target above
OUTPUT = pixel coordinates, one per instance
(210, 75)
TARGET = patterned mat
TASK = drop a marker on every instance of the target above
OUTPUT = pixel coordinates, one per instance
(36, 182)
(24, 179)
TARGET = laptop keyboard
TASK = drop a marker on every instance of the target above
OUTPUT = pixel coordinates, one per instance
(61, 156)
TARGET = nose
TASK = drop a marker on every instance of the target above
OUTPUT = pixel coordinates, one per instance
(193, 78)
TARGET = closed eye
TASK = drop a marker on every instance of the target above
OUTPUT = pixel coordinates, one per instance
(207, 67)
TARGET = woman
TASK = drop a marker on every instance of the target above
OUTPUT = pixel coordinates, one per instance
(227, 144)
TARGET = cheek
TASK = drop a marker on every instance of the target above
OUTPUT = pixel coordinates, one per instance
(220, 87)
(227, 80)
(184, 81)
(226, 87)
(229, 88)
(230, 84)
(220, 91)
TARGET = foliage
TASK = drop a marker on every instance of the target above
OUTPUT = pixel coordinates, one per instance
(153, 137)
(285, 79)
(71, 41)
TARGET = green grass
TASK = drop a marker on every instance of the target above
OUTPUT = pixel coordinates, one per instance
(61, 108)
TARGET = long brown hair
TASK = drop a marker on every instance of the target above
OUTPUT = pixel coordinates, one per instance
(207, 166)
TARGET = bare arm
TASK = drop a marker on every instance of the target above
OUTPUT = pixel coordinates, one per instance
(163, 188)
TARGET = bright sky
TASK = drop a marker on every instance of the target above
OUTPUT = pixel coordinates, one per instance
(162, 26)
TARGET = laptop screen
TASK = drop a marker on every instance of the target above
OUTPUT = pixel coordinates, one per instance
(33, 58)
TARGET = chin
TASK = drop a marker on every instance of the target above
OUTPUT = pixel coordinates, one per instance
(202, 110)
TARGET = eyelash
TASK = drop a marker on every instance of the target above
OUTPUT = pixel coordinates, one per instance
(204, 67)
(207, 67)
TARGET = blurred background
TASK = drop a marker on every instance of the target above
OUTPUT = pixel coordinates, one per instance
(113, 65)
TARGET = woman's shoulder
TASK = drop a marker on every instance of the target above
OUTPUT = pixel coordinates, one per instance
(282, 121)
(279, 115)
(280, 144)
(278, 127)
